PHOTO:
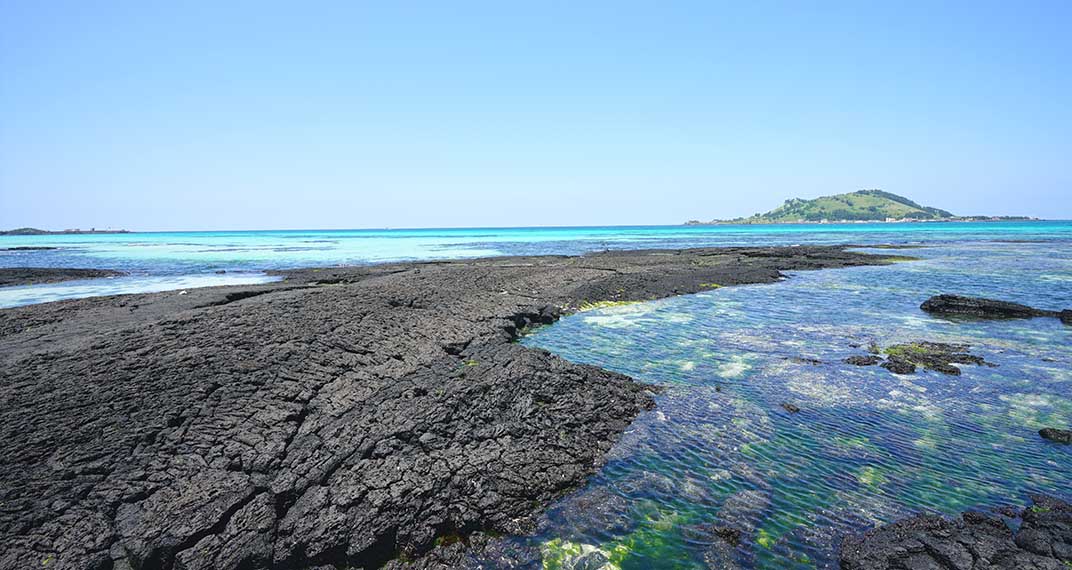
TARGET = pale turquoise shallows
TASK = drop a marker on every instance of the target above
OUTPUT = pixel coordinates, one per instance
(176, 260)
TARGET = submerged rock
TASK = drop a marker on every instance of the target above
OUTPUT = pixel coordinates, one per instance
(1058, 435)
(722, 553)
(974, 540)
(863, 360)
(957, 305)
(744, 509)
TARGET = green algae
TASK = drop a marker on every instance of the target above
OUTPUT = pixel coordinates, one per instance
(585, 306)
(872, 476)
(560, 554)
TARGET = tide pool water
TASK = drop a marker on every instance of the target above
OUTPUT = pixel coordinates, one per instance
(867, 446)
(156, 260)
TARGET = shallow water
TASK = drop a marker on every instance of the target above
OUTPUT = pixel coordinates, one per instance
(867, 447)
(148, 257)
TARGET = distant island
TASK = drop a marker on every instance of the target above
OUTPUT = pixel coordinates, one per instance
(853, 207)
(37, 232)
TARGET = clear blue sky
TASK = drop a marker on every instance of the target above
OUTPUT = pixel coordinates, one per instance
(202, 115)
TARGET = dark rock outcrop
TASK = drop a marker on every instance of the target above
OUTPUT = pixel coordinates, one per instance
(343, 417)
(974, 541)
(906, 358)
(10, 276)
(960, 306)
(937, 356)
(1058, 435)
(899, 366)
(863, 360)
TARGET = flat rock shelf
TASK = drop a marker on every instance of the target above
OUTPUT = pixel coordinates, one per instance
(13, 276)
(344, 417)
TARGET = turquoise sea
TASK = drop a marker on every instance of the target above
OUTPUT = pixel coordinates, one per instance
(867, 446)
(159, 261)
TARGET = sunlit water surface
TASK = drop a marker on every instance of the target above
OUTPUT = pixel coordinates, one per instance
(156, 260)
(867, 446)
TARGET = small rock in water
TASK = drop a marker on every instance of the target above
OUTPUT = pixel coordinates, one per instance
(790, 407)
(858, 360)
(1058, 435)
(957, 305)
(937, 356)
(899, 366)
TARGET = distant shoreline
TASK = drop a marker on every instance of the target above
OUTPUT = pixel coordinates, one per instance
(965, 219)
(20, 232)
(37, 232)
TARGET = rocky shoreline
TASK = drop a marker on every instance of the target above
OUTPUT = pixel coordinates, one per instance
(1042, 540)
(13, 276)
(342, 417)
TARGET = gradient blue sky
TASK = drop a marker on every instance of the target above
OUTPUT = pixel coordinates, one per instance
(244, 115)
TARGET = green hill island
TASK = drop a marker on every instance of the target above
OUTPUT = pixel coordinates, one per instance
(859, 206)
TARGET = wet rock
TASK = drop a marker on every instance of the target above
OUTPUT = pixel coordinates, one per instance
(972, 541)
(722, 555)
(791, 408)
(937, 356)
(721, 551)
(863, 360)
(957, 305)
(743, 510)
(1058, 435)
(899, 366)
(593, 511)
(1047, 528)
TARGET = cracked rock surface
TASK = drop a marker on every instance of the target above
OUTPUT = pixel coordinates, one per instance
(344, 417)
(974, 541)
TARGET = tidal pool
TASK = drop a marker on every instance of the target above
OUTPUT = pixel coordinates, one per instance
(867, 446)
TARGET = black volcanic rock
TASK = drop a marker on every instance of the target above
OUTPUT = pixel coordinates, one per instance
(344, 417)
(863, 360)
(972, 541)
(1058, 435)
(937, 356)
(957, 305)
(11, 276)
(899, 366)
